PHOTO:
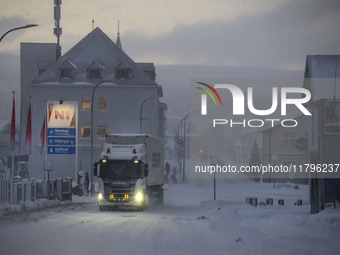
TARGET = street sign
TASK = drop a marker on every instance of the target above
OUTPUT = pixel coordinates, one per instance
(62, 141)
(61, 150)
(62, 128)
(61, 132)
(48, 166)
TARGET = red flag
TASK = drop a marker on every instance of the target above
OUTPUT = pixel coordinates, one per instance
(28, 140)
(43, 137)
(12, 139)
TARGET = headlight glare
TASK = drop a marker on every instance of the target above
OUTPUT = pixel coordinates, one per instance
(139, 196)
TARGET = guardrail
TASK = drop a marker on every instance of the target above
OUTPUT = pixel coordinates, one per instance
(16, 191)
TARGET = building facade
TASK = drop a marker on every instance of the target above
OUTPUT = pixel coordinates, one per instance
(126, 99)
(286, 146)
(322, 79)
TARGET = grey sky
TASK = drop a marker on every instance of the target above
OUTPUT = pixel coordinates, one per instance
(239, 33)
(274, 34)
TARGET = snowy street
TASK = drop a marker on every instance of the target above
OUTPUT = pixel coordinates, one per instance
(184, 225)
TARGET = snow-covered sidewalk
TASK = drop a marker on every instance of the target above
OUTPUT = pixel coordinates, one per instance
(27, 206)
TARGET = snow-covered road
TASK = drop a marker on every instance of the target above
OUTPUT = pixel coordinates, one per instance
(184, 225)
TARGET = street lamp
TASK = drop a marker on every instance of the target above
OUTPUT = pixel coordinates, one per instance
(17, 28)
(184, 124)
(91, 132)
(141, 113)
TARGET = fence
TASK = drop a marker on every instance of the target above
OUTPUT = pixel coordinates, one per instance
(30, 190)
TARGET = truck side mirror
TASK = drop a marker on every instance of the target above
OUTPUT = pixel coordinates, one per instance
(95, 168)
(146, 170)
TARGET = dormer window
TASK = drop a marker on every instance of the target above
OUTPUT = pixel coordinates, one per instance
(67, 70)
(123, 72)
(94, 71)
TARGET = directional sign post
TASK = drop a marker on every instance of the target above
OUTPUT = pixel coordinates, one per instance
(62, 131)
(61, 128)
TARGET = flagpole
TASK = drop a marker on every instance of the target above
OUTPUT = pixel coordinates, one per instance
(28, 137)
(12, 146)
(45, 142)
(20, 129)
(12, 137)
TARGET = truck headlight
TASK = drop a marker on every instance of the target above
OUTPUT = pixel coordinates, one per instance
(139, 196)
(100, 196)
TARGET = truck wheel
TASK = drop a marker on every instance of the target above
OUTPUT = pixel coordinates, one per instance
(141, 207)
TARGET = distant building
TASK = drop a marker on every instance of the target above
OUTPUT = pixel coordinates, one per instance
(321, 75)
(117, 102)
(4, 138)
(322, 79)
(286, 146)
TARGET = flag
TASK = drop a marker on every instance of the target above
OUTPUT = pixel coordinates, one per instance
(28, 139)
(43, 137)
(12, 139)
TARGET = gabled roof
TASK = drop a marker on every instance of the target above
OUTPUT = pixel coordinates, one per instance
(96, 46)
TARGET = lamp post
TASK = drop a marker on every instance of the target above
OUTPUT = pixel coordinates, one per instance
(17, 28)
(13, 29)
(184, 126)
(141, 113)
(91, 133)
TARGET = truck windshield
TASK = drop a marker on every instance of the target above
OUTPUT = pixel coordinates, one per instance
(120, 170)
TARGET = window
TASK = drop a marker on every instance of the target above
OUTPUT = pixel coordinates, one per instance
(102, 103)
(67, 70)
(289, 140)
(85, 103)
(123, 72)
(101, 132)
(85, 132)
(94, 71)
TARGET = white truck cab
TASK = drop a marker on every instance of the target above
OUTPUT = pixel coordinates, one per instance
(130, 174)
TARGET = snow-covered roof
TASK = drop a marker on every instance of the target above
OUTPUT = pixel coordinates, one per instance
(98, 47)
(321, 76)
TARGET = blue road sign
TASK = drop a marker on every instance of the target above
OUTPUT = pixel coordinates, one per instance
(61, 150)
(62, 141)
(66, 132)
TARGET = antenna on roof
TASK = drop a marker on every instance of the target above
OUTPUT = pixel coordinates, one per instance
(92, 24)
(119, 44)
(57, 29)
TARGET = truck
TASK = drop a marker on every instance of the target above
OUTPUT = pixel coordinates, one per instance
(130, 171)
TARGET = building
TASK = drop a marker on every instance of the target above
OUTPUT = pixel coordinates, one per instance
(127, 100)
(321, 78)
(286, 146)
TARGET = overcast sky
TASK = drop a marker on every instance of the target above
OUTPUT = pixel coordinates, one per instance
(270, 34)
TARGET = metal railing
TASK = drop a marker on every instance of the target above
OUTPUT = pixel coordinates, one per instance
(30, 190)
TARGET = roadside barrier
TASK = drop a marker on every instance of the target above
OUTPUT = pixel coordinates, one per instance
(17, 190)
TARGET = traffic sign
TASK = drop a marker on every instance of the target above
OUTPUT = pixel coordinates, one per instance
(61, 150)
(61, 132)
(61, 141)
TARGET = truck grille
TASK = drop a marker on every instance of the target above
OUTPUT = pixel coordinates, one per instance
(118, 193)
